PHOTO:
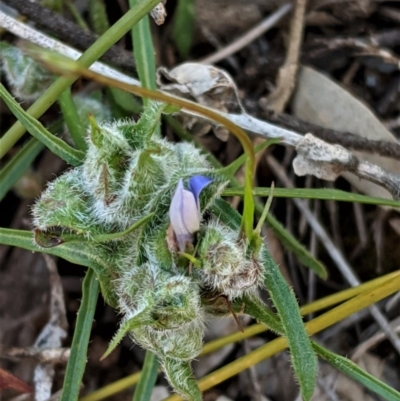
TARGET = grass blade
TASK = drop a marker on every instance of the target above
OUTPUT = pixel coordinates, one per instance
(183, 28)
(316, 193)
(14, 169)
(77, 360)
(72, 119)
(144, 52)
(36, 129)
(303, 357)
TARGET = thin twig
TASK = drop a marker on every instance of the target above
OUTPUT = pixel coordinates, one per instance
(287, 73)
(249, 36)
(374, 340)
(341, 262)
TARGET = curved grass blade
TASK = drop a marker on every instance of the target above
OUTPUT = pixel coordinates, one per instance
(14, 169)
(316, 193)
(109, 38)
(36, 129)
(78, 358)
(352, 370)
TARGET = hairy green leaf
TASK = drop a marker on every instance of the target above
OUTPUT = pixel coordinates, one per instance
(36, 129)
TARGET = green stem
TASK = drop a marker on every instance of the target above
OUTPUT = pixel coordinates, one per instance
(115, 33)
(147, 379)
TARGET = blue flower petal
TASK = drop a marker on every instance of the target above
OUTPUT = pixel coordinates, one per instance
(196, 184)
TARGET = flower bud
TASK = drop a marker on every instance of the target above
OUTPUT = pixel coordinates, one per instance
(184, 211)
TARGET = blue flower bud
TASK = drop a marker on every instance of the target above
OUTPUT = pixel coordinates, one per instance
(184, 211)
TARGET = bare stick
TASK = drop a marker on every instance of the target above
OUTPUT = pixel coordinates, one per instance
(287, 73)
(249, 36)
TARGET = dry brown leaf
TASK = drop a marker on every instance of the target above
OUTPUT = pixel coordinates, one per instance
(320, 100)
(205, 84)
(8, 380)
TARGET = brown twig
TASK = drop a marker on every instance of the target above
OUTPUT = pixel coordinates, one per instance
(69, 32)
(287, 73)
(346, 139)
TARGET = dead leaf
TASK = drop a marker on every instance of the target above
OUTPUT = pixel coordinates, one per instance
(8, 380)
(319, 100)
(206, 85)
(158, 13)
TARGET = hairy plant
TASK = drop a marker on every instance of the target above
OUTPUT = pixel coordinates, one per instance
(159, 275)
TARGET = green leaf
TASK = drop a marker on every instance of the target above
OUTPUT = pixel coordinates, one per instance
(183, 28)
(115, 236)
(316, 193)
(254, 307)
(14, 169)
(124, 329)
(303, 356)
(36, 129)
(122, 103)
(179, 374)
(78, 358)
(350, 369)
(78, 253)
